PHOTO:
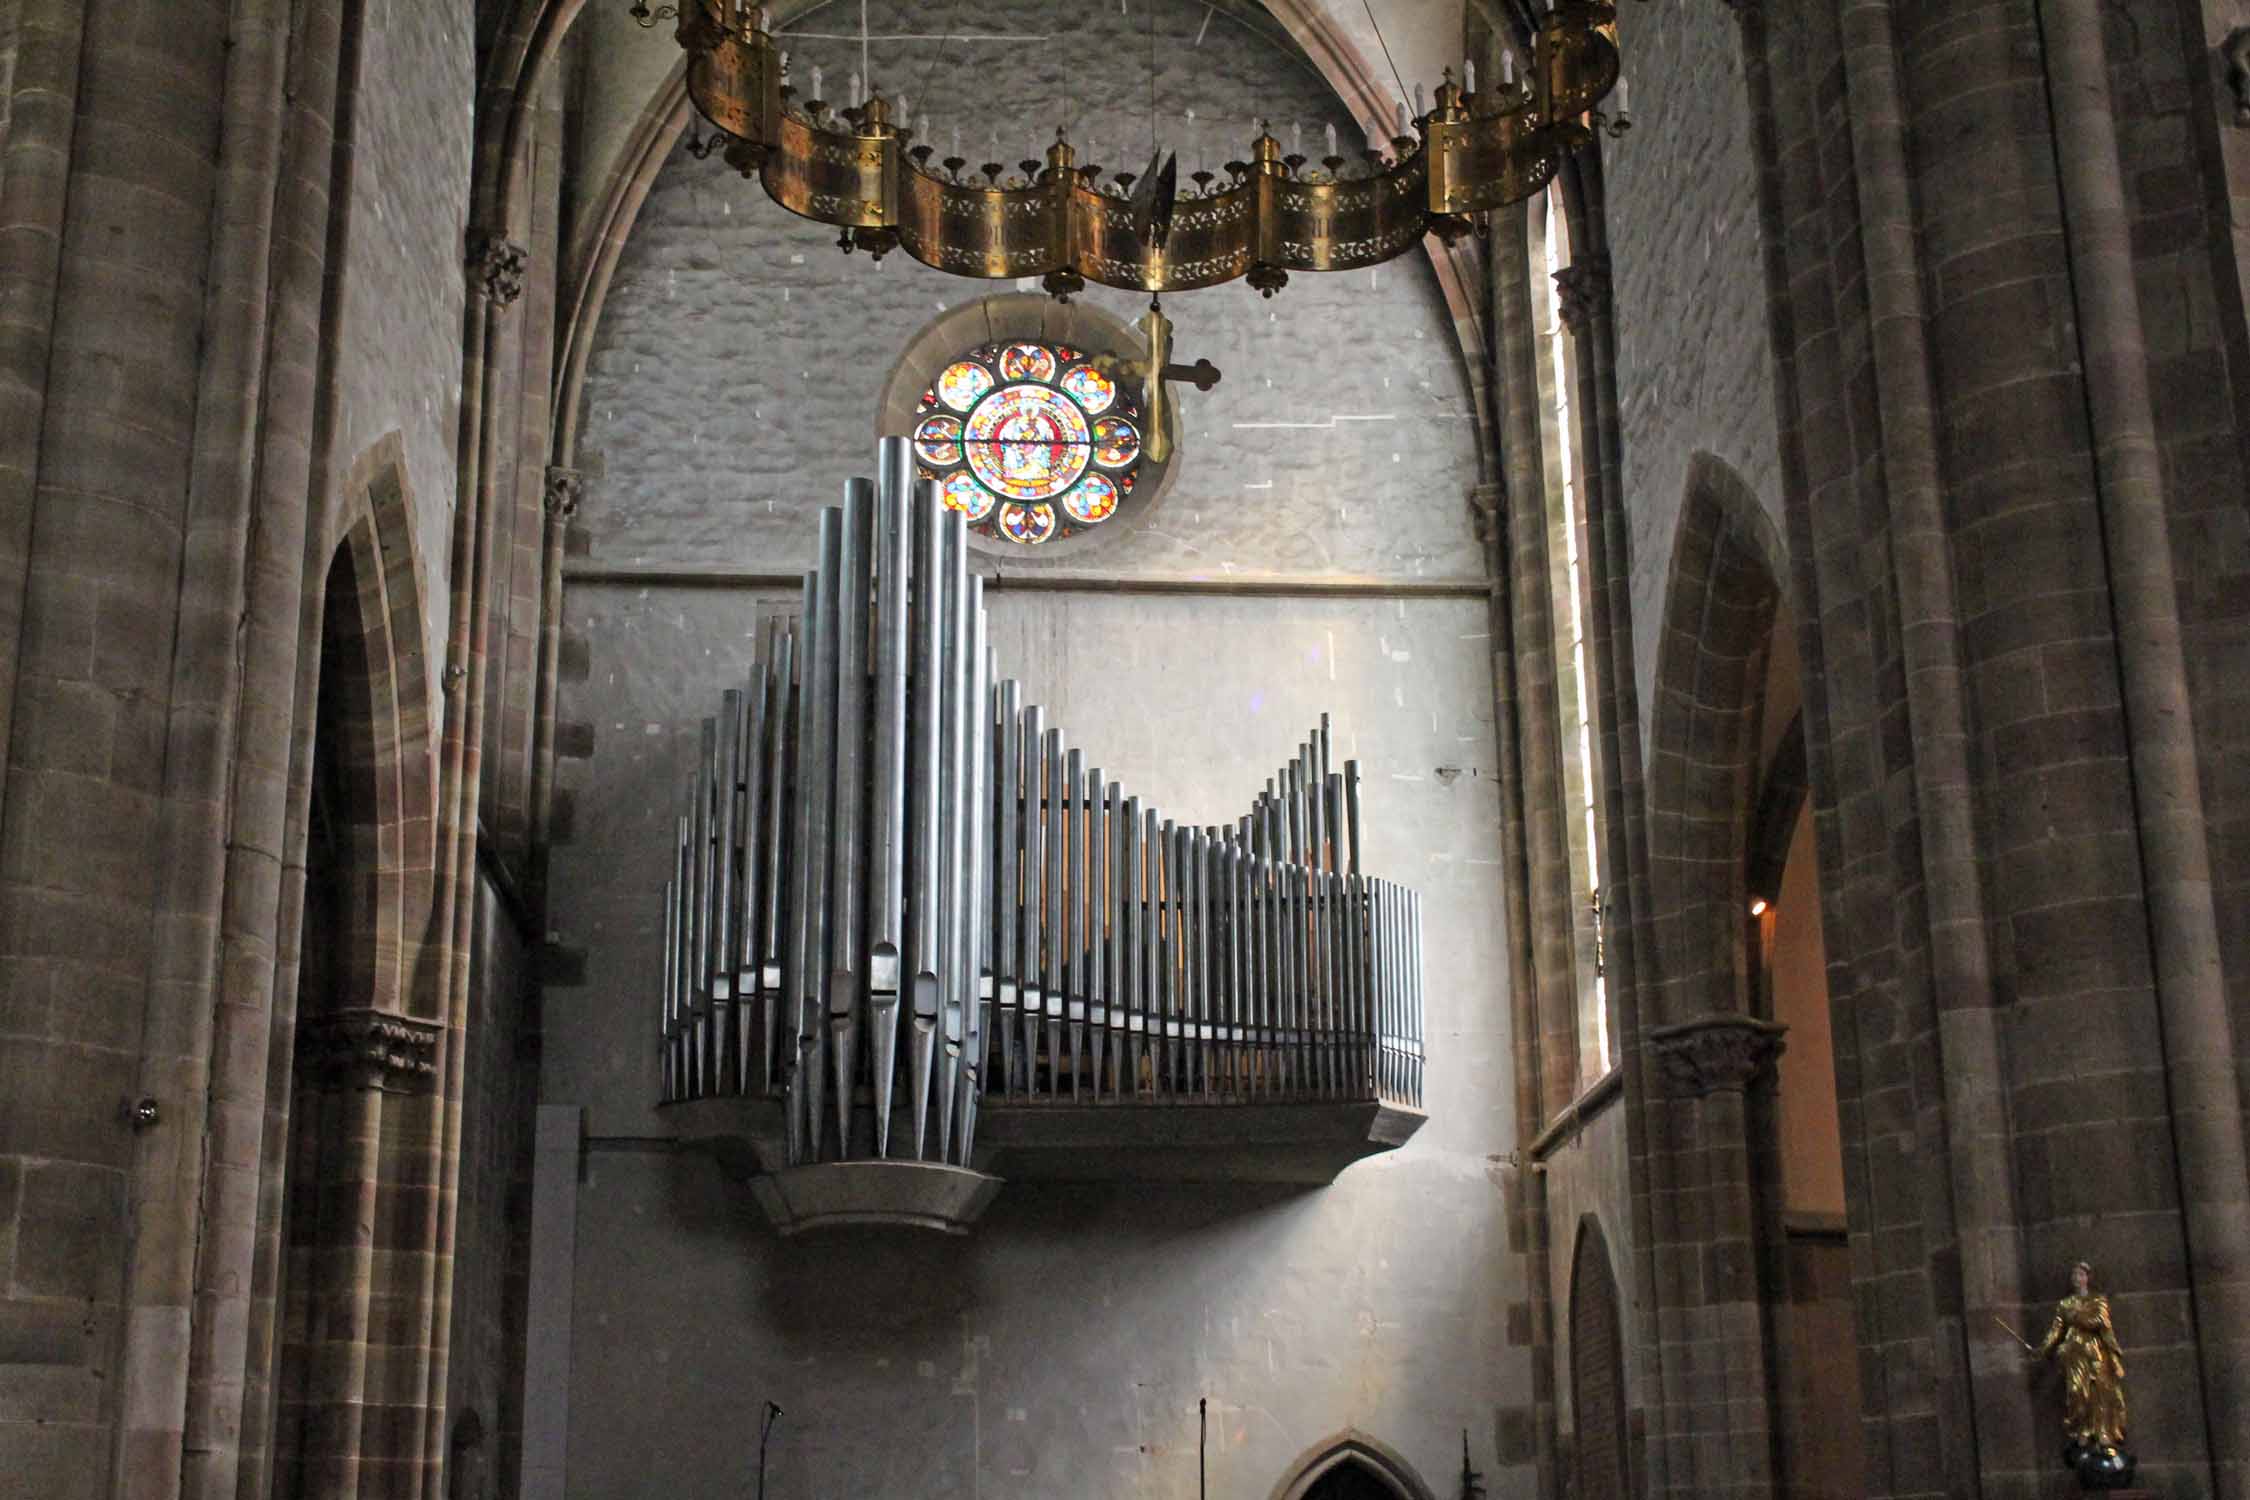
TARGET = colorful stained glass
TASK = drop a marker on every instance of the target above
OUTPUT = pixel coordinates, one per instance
(962, 383)
(962, 492)
(1032, 422)
(1028, 524)
(938, 440)
(1027, 362)
(1092, 499)
(1027, 442)
(1117, 442)
(1090, 388)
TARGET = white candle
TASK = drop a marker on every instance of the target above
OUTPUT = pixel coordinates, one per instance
(853, 96)
(1508, 69)
(904, 110)
(1469, 74)
(1402, 117)
(1296, 138)
(1420, 109)
(1622, 107)
(816, 83)
(1331, 138)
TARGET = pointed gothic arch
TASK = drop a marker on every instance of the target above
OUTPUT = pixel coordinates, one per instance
(1597, 1367)
(1322, 1471)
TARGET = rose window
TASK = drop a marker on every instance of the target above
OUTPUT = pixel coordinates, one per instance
(1030, 441)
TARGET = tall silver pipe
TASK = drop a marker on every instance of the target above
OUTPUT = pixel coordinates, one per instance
(778, 896)
(925, 772)
(664, 996)
(953, 820)
(1230, 965)
(1100, 870)
(1031, 935)
(706, 877)
(1074, 909)
(726, 792)
(820, 849)
(748, 890)
(1007, 967)
(1133, 1036)
(1351, 811)
(848, 966)
(1166, 951)
(1152, 951)
(1051, 977)
(1200, 1009)
(891, 653)
(1113, 931)
(976, 893)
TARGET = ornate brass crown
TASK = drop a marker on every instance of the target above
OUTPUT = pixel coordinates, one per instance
(863, 172)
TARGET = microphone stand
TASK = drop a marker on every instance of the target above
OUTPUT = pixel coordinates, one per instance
(765, 1431)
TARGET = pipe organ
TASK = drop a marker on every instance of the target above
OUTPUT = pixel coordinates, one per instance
(900, 895)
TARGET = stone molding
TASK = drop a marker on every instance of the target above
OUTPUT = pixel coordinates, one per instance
(565, 488)
(1717, 1053)
(1488, 510)
(369, 1049)
(1584, 288)
(497, 266)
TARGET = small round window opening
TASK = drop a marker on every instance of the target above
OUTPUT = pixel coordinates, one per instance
(1031, 441)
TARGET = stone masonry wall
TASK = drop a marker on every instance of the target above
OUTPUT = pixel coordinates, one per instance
(1695, 367)
(397, 347)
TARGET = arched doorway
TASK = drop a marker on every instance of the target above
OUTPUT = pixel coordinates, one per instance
(363, 1064)
(1352, 1466)
(1353, 1480)
(1597, 1367)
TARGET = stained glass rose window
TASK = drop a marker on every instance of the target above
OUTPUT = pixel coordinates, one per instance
(1029, 440)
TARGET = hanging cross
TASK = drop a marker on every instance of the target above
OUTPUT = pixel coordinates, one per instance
(1153, 371)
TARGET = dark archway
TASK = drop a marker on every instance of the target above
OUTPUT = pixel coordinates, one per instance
(1348, 1466)
(1597, 1368)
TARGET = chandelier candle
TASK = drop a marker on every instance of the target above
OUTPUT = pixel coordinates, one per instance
(1454, 157)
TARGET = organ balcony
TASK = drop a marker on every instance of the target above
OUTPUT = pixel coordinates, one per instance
(916, 946)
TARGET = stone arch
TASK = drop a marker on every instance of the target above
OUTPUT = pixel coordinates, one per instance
(1720, 603)
(378, 696)
(1354, 1450)
(1597, 1367)
(364, 1041)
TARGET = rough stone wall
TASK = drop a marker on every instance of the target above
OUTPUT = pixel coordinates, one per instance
(2191, 306)
(1587, 1174)
(1695, 362)
(1062, 1347)
(397, 346)
(8, 41)
(740, 358)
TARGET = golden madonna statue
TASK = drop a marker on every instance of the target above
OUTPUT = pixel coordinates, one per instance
(2084, 1343)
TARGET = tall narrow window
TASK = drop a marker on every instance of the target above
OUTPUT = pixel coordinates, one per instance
(1574, 682)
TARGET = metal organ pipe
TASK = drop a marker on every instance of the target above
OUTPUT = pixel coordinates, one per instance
(895, 887)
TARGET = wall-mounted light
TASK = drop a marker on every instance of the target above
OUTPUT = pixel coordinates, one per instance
(1757, 906)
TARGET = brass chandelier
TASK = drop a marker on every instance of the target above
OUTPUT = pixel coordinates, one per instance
(861, 170)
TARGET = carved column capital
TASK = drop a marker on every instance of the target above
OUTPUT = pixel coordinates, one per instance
(370, 1049)
(496, 267)
(1714, 1053)
(565, 488)
(1584, 285)
(1488, 508)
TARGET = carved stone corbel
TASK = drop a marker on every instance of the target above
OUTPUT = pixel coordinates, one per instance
(1584, 289)
(497, 266)
(565, 488)
(370, 1049)
(1488, 504)
(1717, 1052)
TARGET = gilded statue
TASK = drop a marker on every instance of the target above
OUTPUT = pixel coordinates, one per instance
(2084, 1343)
